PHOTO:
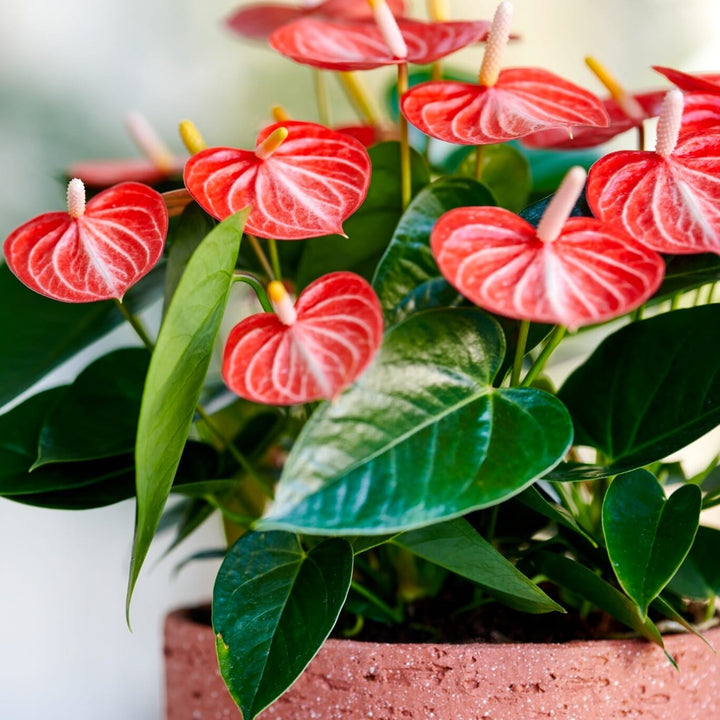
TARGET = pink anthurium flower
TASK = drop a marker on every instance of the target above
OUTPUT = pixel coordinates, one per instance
(572, 272)
(259, 21)
(312, 350)
(668, 199)
(94, 251)
(346, 46)
(503, 105)
(302, 180)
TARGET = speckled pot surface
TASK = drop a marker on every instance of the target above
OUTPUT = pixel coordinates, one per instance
(348, 680)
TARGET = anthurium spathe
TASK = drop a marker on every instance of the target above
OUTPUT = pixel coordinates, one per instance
(668, 199)
(302, 180)
(691, 82)
(570, 272)
(504, 104)
(95, 250)
(307, 351)
(259, 21)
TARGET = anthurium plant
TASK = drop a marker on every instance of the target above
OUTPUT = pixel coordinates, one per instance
(387, 426)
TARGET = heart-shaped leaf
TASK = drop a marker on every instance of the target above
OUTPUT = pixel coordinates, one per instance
(421, 437)
(306, 187)
(649, 389)
(96, 255)
(669, 203)
(648, 535)
(591, 272)
(522, 101)
(699, 575)
(283, 598)
(336, 333)
(456, 546)
(346, 46)
(176, 375)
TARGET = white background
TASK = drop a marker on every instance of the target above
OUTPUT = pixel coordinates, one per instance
(69, 72)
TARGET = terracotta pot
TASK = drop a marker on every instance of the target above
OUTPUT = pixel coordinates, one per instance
(348, 680)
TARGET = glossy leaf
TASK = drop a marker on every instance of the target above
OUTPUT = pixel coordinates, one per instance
(286, 601)
(671, 204)
(40, 334)
(408, 274)
(648, 535)
(649, 389)
(334, 337)
(176, 375)
(699, 575)
(524, 100)
(97, 256)
(346, 46)
(590, 273)
(456, 546)
(369, 462)
(688, 272)
(310, 183)
(97, 415)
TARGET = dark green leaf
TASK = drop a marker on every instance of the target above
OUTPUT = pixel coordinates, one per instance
(688, 272)
(407, 278)
(647, 535)
(699, 575)
(549, 167)
(421, 437)
(273, 607)
(456, 546)
(533, 213)
(39, 334)
(177, 371)
(649, 389)
(533, 499)
(370, 229)
(97, 414)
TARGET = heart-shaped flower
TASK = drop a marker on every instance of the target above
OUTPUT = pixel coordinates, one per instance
(259, 21)
(702, 82)
(310, 351)
(94, 251)
(302, 180)
(668, 199)
(572, 272)
(504, 104)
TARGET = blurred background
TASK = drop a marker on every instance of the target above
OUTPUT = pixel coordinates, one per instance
(69, 74)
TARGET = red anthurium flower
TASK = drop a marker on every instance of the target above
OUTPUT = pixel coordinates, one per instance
(668, 199)
(258, 22)
(310, 351)
(302, 180)
(701, 112)
(703, 82)
(363, 45)
(94, 251)
(504, 105)
(573, 272)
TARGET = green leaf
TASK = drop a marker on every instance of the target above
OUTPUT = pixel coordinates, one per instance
(648, 535)
(699, 575)
(97, 414)
(649, 389)
(586, 584)
(273, 607)
(421, 437)
(688, 272)
(39, 333)
(504, 170)
(549, 167)
(177, 371)
(407, 278)
(371, 227)
(456, 546)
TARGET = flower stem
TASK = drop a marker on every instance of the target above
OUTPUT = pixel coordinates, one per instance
(523, 332)
(261, 257)
(405, 169)
(321, 96)
(257, 286)
(557, 335)
(274, 258)
(395, 614)
(135, 323)
(479, 153)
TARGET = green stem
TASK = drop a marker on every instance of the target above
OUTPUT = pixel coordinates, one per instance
(641, 136)
(135, 323)
(405, 168)
(395, 614)
(260, 254)
(523, 332)
(235, 518)
(479, 153)
(274, 258)
(257, 286)
(557, 335)
(321, 96)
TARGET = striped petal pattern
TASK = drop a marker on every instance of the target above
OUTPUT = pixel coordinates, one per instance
(669, 204)
(97, 256)
(314, 180)
(590, 273)
(335, 336)
(347, 46)
(523, 101)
